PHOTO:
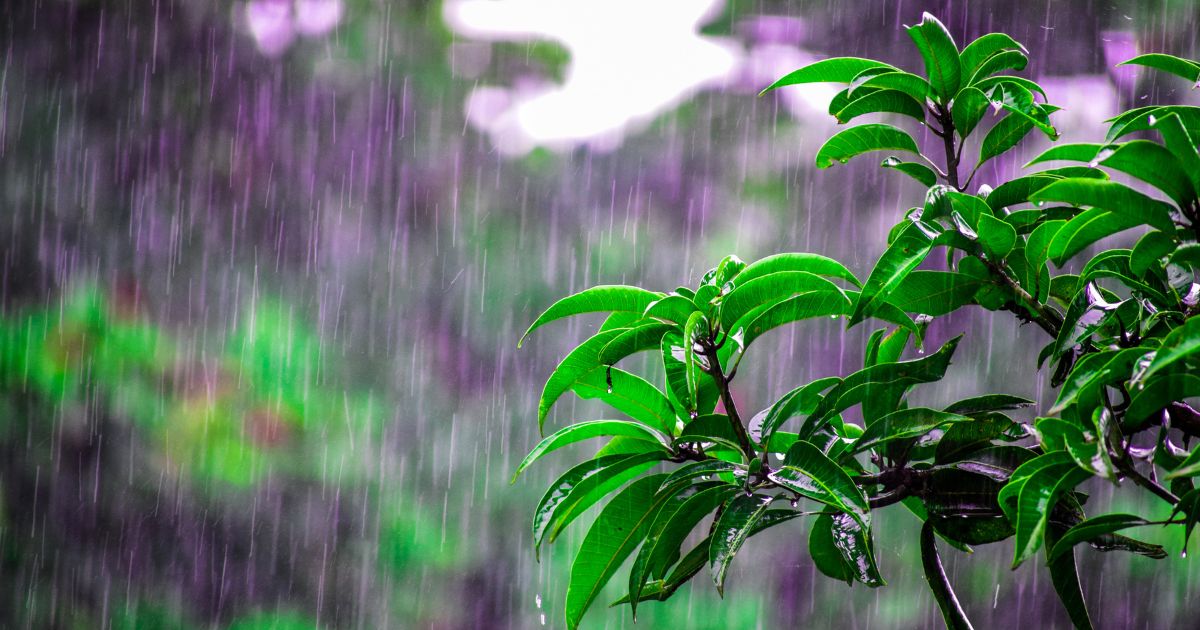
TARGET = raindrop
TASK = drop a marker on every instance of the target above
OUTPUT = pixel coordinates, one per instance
(538, 599)
(608, 378)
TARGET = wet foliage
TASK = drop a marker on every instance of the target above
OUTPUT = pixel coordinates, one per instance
(1123, 344)
(264, 265)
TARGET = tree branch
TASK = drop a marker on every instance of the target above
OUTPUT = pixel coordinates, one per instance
(735, 420)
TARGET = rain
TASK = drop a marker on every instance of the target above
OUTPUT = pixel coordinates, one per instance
(264, 265)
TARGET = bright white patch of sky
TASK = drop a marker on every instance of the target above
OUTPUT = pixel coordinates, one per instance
(630, 60)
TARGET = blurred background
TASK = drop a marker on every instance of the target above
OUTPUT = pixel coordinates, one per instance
(263, 265)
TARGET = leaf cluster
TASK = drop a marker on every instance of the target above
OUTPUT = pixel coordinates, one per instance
(1123, 346)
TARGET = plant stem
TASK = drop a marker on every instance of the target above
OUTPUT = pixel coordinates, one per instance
(714, 370)
(1045, 317)
(947, 133)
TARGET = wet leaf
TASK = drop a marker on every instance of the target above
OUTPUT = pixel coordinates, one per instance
(587, 430)
(952, 612)
(619, 528)
(1094, 529)
(903, 424)
(882, 101)
(833, 70)
(879, 380)
(917, 171)
(629, 394)
(908, 250)
(732, 529)
(810, 473)
(863, 139)
(768, 289)
(582, 486)
(1133, 207)
(937, 48)
(934, 293)
(811, 263)
(602, 298)
(669, 531)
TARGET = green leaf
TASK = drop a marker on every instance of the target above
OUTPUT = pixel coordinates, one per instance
(582, 486)
(843, 98)
(863, 139)
(1037, 245)
(704, 468)
(1003, 60)
(621, 526)
(603, 298)
(732, 529)
(1144, 118)
(1157, 394)
(587, 430)
(1004, 135)
(965, 437)
(812, 263)
(982, 48)
(903, 424)
(906, 82)
(1095, 371)
(769, 289)
(1189, 467)
(1065, 577)
(1038, 494)
(968, 109)
(853, 542)
(1087, 228)
(1119, 199)
(799, 401)
(988, 402)
(1016, 191)
(825, 554)
(673, 308)
(1080, 152)
(996, 236)
(663, 546)
(696, 326)
(583, 359)
(934, 293)
(1179, 142)
(882, 101)
(810, 473)
(715, 428)
(628, 393)
(1189, 505)
(880, 380)
(903, 255)
(673, 354)
(915, 170)
(1189, 70)
(940, 54)
(1150, 249)
(987, 84)
(833, 70)
(952, 612)
(645, 336)
(1093, 529)
(798, 307)
(1179, 344)
(1153, 164)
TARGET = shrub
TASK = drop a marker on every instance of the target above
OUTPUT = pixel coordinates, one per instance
(1123, 344)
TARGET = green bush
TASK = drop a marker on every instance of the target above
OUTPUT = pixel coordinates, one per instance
(1123, 344)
